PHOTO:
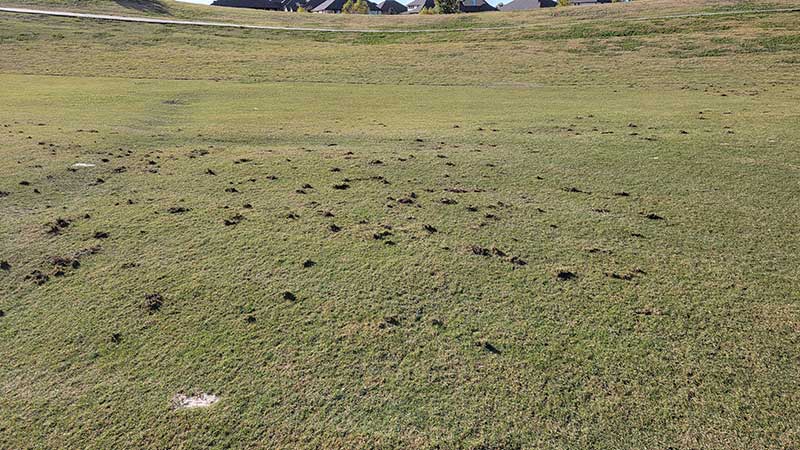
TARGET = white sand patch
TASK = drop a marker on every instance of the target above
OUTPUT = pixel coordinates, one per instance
(183, 401)
(83, 165)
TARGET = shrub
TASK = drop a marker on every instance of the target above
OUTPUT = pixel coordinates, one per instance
(357, 7)
(361, 7)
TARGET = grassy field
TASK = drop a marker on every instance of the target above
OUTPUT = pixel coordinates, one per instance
(547, 17)
(580, 233)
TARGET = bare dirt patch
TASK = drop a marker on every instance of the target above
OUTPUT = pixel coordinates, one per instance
(183, 401)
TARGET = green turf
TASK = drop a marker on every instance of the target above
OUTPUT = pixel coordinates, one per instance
(435, 316)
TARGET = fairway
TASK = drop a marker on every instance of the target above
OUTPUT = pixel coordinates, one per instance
(574, 234)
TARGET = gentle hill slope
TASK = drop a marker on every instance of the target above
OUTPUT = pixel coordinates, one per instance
(544, 17)
(578, 233)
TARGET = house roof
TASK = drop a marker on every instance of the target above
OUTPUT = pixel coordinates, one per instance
(416, 5)
(468, 6)
(392, 6)
(311, 4)
(274, 5)
(292, 5)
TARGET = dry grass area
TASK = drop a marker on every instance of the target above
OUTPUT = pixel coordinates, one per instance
(580, 233)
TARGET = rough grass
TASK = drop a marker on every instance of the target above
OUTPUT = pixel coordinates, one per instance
(488, 285)
(676, 52)
(546, 17)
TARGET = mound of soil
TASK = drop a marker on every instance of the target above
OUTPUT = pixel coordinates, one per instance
(153, 302)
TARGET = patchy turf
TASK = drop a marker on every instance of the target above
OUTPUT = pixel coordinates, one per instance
(545, 240)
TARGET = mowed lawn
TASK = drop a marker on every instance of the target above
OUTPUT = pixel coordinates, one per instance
(372, 263)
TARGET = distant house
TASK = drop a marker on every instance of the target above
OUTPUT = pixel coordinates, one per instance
(470, 6)
(466, 6)
(335, 7)
(294, 5)
(524, 5)
(392, 7)
(309, 5)
(418, 5)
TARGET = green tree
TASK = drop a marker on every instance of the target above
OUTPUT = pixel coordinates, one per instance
(355, 7)
(446, 6)
(361, 7)
(563, 2)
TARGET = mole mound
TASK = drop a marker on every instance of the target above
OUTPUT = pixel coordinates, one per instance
(565, 275)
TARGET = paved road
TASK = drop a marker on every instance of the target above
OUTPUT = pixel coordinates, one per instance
(334, 30)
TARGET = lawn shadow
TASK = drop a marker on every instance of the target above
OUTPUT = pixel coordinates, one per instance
(147, 6)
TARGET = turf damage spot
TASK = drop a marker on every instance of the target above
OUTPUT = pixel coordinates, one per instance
(405, 201)
(575, 190)
(183, 401)
(565, 275)
(626, 276)
(37, 277)
(516, 260)
(58, 226)
(389, 321)
(379, 236)
(480, 251)
(488, 347)
(235, 220)
(153, 302)
(60, 261)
